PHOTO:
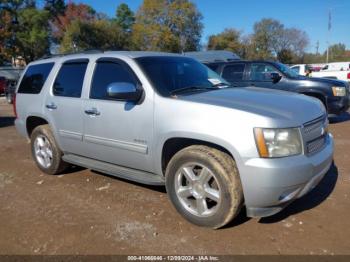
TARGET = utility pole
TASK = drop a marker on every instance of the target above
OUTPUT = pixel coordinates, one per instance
(329, 31)
(317, 46)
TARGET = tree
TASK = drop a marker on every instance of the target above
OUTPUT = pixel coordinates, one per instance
(266, 37)
(229, 39)
(55, 7)
(33, 37)
(272, 39)
(96, 34)
(285, 56)
(125, 18)
(337, 51)
(73, 12)
(167, 25)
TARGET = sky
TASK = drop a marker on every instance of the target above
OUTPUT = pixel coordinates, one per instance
(308, 15)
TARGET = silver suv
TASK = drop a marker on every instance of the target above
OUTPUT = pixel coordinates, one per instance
(159, 118)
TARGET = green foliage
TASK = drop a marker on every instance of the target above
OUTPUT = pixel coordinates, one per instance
(125, 18)
(55, 7)
(269, 40)
(33, 34)
(167, 25)
(97, 34)
(285, 56)
(337, 51)
(229, 39)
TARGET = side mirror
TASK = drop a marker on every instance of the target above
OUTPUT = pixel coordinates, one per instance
(124, 91)
(275, 77)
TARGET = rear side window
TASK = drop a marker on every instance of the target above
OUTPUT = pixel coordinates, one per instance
(34, 78)
(233, 72)
(69, 81)
(107, 73)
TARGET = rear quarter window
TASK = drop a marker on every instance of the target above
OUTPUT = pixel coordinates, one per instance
(35, 78)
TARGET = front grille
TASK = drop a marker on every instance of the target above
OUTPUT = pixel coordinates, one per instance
(314, 133)
(315, 146)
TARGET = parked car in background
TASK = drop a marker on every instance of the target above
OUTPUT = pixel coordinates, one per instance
(301, 69)
(273, 75)
(333, 74)
(160, 118)
(338, 74)
(11, 76)
(2, 85)
(337, 66)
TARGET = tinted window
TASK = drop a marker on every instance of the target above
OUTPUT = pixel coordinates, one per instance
(168, 74)
(296, 69)
(69, 81)
(34, 78)
(261, 72)
(233, 72)
(107, 73)
(213, 67)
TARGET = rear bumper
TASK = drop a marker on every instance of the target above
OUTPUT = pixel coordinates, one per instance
(21, 127)
(269, 185)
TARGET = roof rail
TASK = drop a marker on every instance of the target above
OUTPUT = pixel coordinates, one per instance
(87, 51)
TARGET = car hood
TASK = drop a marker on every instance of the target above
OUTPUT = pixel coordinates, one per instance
(277, 105)
(331, 82)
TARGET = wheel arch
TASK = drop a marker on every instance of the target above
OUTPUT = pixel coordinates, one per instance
(172, 145)
(33, 121)
(319, 95)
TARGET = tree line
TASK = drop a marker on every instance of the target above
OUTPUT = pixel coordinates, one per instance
(33, 29)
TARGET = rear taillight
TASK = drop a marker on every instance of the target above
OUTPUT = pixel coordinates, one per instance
(14, 104)
(348, 75)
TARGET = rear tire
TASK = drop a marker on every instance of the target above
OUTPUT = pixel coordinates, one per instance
(204, 186)
(45, 151)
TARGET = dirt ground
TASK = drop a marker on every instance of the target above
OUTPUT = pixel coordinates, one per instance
(84, 212)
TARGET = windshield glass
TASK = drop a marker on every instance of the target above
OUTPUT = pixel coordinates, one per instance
(286, 70)
(169, 74)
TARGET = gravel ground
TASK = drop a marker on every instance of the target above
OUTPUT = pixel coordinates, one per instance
(84, 212)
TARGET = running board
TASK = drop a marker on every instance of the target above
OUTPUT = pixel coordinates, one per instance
(114, 170)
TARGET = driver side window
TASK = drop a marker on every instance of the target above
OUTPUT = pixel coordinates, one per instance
(261, 72)
(107, 72)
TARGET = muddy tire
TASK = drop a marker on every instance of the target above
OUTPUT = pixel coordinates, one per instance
(46, 152)
(204, 186)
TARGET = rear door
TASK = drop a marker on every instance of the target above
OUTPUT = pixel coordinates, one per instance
(235, 74)
(63, 105)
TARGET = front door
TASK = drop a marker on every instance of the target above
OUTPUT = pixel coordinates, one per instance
(118, 132)
(260, 76)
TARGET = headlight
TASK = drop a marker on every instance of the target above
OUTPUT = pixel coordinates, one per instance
(273, 142)
(339, 91)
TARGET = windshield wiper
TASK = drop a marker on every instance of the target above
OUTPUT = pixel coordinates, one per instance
(190, 89)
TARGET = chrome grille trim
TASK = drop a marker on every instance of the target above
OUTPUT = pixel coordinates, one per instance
(316, 145)
(314, 135)
(312, 125)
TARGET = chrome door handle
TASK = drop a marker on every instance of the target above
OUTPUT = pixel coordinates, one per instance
(51, 106)
(92, 112)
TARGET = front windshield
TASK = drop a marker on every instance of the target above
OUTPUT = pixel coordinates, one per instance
(171, 73)
(287, 70)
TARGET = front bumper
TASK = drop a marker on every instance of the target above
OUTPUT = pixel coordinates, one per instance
(338, 105)
(269, 185)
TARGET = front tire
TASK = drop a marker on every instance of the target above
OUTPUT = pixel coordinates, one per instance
(45, 151)
(204, 186)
